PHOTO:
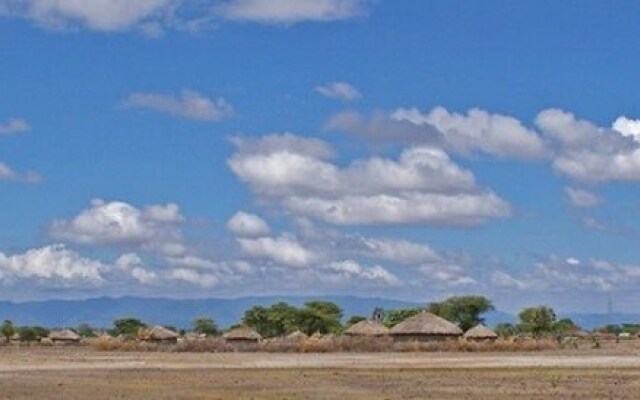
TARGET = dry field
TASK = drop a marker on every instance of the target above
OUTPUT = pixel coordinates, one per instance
(85, 373)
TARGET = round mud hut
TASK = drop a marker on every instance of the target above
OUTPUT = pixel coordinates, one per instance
(367, 329)
(425, 327)
(480, 333)
(65, 336)
(242, 338)
(159, 334)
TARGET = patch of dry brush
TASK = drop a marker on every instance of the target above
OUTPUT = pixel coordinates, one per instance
(327, 344)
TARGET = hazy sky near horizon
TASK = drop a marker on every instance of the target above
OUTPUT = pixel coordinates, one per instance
(409, 149)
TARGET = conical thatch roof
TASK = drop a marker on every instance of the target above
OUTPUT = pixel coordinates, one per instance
(158, 333)
(242, 333)
(426, 324)
(65, 334)
(297, 335)
(367, 328)
(480, 332)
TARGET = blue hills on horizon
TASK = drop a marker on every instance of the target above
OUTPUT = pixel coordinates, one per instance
(102, 311)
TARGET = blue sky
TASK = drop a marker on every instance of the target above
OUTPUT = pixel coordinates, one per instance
(409, 149)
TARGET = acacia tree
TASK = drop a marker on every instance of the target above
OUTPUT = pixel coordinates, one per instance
(564, 326)
(465, 311)
(276, 320)
(7, 329)
(537, 320)
(320, 316)
(505, 330)
(394, 317)
(205, 326)
(128, 327)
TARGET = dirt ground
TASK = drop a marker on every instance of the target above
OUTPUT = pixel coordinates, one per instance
(83, 373)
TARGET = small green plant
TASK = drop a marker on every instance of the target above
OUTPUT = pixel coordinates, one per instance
(554, 380)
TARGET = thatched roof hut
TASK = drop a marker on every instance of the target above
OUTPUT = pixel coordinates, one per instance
(64, 336)
(158, 334)
(425, 327)
(367, 328)
(480, 332)
(242, 334)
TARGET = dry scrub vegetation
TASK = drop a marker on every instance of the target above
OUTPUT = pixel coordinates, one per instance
(327, 344)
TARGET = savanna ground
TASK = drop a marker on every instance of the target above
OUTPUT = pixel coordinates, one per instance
(82, 372)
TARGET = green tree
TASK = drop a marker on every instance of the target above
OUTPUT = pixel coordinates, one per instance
(127, 327)
(564, 326)
(465, 311)
(32, 333)
(394, 317)
(7, 329)
(506, 330)
(320, 316)
(610, 328)
(276, 320)
(632, 329)
(205, 326)
(537, 320)
(86, 331)
(325, 307)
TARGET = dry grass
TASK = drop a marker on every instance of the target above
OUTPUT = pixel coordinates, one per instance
(327, 344)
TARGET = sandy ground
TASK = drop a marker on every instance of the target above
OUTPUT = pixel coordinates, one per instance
(14, 359)
(81, 372)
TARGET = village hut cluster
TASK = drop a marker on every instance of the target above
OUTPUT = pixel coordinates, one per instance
(424, 327)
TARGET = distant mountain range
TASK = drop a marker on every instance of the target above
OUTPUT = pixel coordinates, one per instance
(101, 312)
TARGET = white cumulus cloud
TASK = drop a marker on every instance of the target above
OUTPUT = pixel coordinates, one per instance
(348, 270)
(290, 11)
(153, 228)
(13, 126)
(588, 153)
(581, 198)
(189, 104)
(8, 174)
(479, 130)
(245, 224)
(339, 90)
(194, 277)
(99, 15)
(422, 186)
(53, 263)
(283, 250)
(627, 127)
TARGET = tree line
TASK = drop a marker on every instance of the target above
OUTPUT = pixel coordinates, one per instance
(326, 317)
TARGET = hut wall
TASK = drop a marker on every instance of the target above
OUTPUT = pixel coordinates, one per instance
(243, 344)
(422, 338)
(481, 340)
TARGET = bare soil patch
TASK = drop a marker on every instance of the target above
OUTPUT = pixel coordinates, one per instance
(82, 373)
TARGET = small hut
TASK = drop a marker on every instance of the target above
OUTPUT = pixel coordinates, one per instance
(159, 334)
(480, 333)
(65, 336)
(425, 327)
(367, 328)
(242, 337)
